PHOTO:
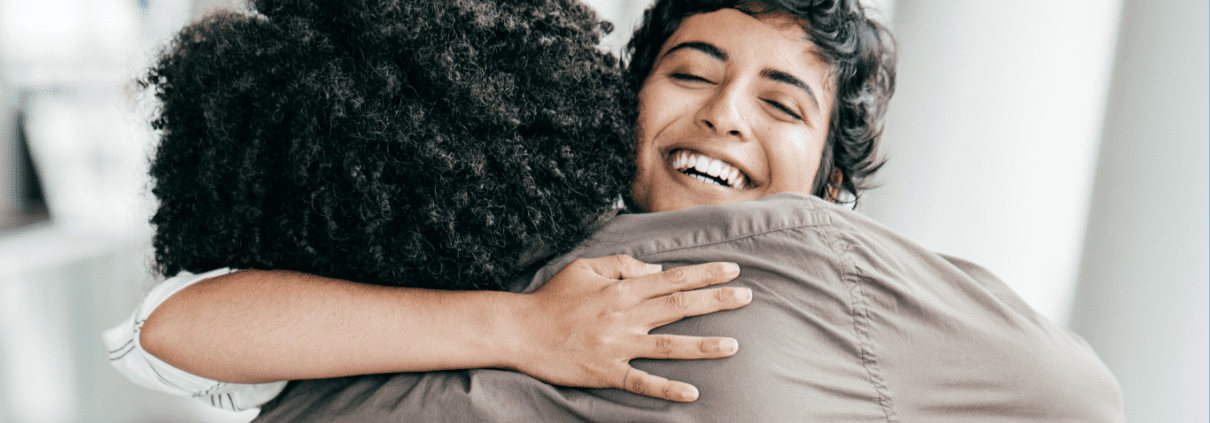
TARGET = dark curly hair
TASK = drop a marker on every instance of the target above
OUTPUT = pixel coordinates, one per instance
(425, 143)
(859, 50)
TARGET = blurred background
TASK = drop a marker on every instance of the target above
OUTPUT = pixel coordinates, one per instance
(1062, 144)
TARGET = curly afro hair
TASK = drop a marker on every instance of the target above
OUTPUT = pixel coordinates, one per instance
(860, 50)
(425, 143)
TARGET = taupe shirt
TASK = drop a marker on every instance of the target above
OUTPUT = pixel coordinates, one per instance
(850, 322)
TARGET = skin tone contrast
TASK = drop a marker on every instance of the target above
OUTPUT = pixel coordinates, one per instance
(736, 108)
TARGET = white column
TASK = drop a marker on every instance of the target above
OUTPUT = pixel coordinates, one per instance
(1145, 273)
(992, 135)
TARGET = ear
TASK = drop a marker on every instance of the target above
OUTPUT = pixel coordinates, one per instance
(834, 184)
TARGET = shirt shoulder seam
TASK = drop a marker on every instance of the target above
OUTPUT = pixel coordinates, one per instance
(789, 228)
(858, 309)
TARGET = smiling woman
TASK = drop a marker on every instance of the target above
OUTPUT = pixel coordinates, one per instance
(855, 54)
(743, 99)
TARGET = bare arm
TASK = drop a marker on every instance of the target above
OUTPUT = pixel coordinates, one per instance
(580, 329)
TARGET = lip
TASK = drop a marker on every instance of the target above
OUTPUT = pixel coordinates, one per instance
(666, 154)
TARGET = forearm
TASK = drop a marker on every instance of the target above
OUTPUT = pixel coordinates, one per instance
(258, 326)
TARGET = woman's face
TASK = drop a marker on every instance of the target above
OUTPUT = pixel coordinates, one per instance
(735, 108)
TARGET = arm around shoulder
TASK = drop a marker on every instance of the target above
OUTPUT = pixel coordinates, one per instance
(257, 326)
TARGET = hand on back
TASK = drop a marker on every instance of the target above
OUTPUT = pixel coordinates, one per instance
(588, 321)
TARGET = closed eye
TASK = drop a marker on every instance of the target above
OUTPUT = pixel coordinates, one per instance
(783, 109)
(689, 78)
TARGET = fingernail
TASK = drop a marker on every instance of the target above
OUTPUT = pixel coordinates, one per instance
(689, 394)
(728, 345)
(655, 268)
(731, 267)
(744, 294)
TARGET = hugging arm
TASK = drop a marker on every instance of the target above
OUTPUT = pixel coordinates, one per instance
(582, 329)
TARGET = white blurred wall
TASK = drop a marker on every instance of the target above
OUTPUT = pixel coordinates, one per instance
(69, 58)
(1145, 274)
(1064, 144)
(993, 132)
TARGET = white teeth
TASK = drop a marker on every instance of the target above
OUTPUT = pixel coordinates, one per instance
(682, 160)
(714, 168)
(724, 171)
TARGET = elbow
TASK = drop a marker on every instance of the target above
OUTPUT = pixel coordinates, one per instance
(156, 334)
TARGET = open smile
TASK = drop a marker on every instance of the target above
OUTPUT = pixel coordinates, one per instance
(707, 169)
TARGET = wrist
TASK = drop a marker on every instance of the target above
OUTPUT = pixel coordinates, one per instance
(512, 339)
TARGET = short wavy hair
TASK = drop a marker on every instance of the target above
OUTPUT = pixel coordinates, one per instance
(426, 143)
(859, 50)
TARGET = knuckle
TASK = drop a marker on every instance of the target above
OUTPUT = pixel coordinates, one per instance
(679, 301)
(667, 392)
(676, 276)
(638, 384)
(705, 346)
(663, 345)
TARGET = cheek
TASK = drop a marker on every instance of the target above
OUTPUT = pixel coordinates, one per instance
(645, 146)
(659, 107)
(802, 143)
(798, 160)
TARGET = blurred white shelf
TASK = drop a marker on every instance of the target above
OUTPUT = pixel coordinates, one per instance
(44, 246)
(59, 289)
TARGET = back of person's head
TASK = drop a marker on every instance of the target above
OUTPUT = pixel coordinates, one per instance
(860, 51)
(424, 143)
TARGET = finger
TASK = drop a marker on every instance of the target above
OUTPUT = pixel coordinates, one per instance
(678, 347)
(663, 310)
(642, 383)
(684, 278)
(621, 267)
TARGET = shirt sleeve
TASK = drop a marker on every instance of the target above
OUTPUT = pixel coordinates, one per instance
(128, 356)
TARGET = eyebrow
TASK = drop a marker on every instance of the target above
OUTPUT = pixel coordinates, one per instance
(779, 76)
(770, 74)
(707, 48)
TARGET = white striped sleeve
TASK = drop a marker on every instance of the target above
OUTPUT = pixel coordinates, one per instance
(128, 356)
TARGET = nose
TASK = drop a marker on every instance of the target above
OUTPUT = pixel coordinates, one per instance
(725, 112)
